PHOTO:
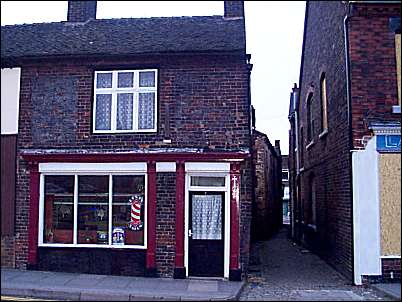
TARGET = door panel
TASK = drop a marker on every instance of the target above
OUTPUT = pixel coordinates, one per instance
(206, 234)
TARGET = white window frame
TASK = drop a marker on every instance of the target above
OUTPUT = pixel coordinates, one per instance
(136, 90)
(67, 169)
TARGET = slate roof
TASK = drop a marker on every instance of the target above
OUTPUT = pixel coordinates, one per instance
(123, 36)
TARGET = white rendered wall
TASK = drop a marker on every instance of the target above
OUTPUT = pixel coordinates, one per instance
(10, 95)
(366, 212)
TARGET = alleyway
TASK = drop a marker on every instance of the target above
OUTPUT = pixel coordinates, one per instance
(281, 270)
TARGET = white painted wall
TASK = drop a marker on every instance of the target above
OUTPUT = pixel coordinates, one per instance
(366, 212)
(10, 95)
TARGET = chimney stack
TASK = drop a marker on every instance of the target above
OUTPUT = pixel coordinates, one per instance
(234, 9)
(81, 11)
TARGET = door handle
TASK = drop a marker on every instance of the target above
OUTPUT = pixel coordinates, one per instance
(190, 233)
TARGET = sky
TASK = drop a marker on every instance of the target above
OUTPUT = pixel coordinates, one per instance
(274, 33)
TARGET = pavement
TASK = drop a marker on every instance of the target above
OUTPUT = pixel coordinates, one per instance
(391, 289)
(69, 286)
(280, 270)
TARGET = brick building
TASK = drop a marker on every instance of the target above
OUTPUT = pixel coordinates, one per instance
(133, 145)
(344, 143)
(267, 205)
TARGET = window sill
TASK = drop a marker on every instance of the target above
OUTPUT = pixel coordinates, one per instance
(125, 131)
(310, 145)
(103, 246)
(396, 109)
(323, 134)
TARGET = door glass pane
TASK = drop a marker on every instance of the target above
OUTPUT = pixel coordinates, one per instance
(124, 111)
(204, 181)
(147, 79)
(125, 79)
(128, 210)
(93, 209)
(104, 80)
(207, 217)
(59, 209)
(146, 110)
(103, 111)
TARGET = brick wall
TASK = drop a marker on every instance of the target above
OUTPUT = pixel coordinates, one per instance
(373, 67)
(327, 157)
(267, 207)
(391, 269)
(195, 96)
(8, 251)
(165, 223)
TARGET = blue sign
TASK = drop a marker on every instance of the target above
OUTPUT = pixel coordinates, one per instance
(389, 143)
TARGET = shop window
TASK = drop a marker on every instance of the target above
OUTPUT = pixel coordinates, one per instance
(59, 209)
(128, 210)
(93, 209)
(102, 210)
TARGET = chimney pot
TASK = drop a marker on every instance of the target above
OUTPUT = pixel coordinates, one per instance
(81, 11)
(234, 9)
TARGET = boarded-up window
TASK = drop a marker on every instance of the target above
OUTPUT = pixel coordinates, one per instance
(8, 149)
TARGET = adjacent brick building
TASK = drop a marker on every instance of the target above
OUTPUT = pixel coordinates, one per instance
(344, 142)
(134, 145)
(267, 208)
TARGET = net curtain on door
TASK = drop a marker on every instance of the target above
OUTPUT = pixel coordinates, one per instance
(207, 217)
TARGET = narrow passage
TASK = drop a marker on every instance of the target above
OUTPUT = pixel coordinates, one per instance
(282, 270)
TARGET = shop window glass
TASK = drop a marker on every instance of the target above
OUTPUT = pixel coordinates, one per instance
(93, 209)
(128, 210)
(59, 209)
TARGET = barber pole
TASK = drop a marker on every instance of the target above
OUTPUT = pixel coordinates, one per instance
(135, 223)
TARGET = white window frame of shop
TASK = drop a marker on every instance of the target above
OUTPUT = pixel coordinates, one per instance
(208, 170)
(135, 90)
(91, 169)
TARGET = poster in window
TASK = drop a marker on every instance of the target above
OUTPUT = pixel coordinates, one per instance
(135, 223)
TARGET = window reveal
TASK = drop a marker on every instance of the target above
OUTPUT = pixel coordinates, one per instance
(98, 196)
(125, 101)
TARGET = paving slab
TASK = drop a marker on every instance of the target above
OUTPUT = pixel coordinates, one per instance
(391, 289)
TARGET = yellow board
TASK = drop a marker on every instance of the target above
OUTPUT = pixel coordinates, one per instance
(390, 196)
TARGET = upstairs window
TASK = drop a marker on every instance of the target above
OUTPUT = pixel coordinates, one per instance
(398, 64)
(310, 119)
(324, 111)
(125, 101)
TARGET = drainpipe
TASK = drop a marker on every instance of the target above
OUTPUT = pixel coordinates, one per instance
(350, 134)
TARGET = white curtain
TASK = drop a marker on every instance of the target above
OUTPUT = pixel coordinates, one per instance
(207, 217)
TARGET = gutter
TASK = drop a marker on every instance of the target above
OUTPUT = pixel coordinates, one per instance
(350, 132)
